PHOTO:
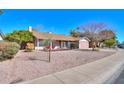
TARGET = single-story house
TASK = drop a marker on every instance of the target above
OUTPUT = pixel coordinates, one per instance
(58, 40)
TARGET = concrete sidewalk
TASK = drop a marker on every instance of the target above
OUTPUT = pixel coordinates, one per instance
(105, 70)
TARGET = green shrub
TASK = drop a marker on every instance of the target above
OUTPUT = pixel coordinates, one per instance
(28, 50)
(110, 42)
(8, 50)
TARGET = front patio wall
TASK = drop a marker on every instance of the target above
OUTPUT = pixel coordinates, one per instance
(39, 46)
(56, 44)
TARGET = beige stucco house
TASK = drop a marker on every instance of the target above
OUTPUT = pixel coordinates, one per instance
(59, 41)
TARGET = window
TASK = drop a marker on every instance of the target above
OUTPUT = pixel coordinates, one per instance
(41, 43)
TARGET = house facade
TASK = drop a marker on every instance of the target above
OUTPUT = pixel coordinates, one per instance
(59, 41)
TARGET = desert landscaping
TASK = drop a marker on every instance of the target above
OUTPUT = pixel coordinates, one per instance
(29, 65)
(35, 51)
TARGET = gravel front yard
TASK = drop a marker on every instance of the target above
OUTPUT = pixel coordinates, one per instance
(30, 65)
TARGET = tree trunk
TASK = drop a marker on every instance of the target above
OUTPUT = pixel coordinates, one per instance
(93, 46)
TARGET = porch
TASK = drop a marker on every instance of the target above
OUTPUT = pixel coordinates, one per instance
(55, 44)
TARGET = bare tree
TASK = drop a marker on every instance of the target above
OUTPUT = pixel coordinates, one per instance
(91, 31)
(106, 34)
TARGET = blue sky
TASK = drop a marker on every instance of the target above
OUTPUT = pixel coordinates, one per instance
(60, 21)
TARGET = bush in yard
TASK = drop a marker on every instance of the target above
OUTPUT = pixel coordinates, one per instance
(8, 50)
(29, 47)
(110, 42)
(20, 36)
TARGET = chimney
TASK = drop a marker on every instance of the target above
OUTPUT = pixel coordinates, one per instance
(30, 28)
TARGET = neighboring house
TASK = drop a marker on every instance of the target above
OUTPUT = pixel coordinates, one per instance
(58, 40)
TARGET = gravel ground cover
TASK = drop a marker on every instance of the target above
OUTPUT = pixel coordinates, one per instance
(29, 65)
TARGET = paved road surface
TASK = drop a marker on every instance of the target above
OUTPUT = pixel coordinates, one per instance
(120, 79)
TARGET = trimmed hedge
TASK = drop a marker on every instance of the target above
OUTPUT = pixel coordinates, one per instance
(8, 50)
